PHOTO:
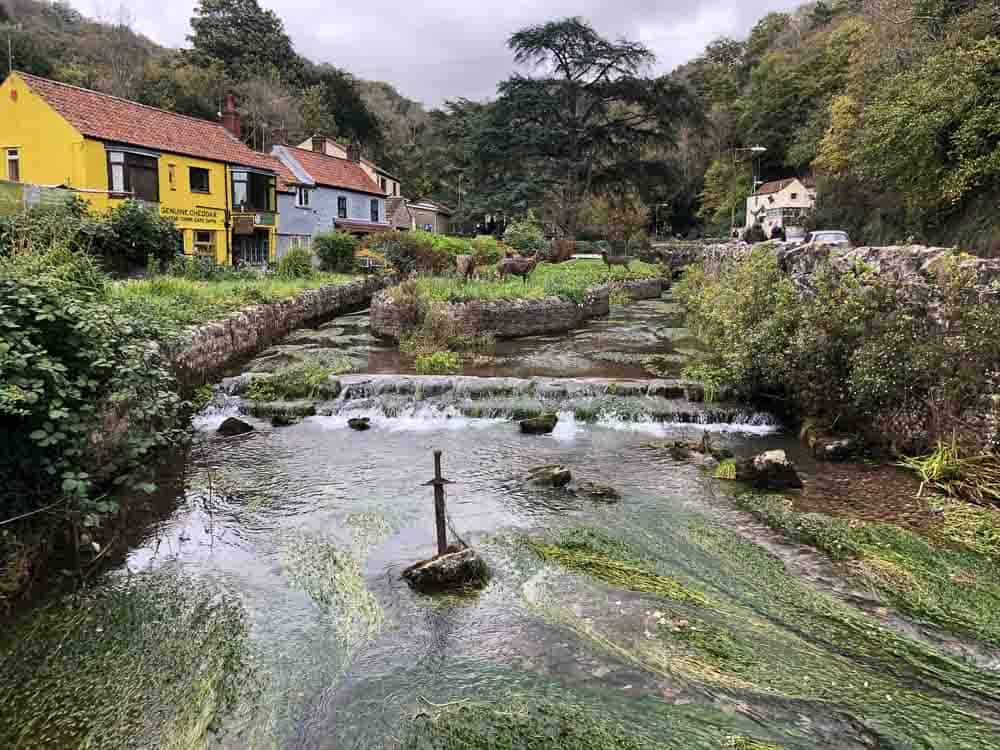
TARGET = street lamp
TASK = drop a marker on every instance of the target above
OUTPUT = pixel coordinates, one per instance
(752, 150)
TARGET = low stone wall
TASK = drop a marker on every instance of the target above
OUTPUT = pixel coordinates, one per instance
(208, 349)
(506, 319)
(644, 288)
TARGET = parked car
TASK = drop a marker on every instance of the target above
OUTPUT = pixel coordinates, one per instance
(835, 238)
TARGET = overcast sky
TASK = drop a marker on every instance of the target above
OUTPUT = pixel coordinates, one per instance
(432, 50)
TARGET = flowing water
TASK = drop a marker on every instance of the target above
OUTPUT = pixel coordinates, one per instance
(311, 525)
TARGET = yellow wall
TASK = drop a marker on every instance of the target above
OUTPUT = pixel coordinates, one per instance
(50, 148)
(53, 152)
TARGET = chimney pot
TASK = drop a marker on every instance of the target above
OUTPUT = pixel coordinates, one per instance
(230, 116)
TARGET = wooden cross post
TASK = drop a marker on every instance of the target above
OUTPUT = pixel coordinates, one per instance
(438, 483)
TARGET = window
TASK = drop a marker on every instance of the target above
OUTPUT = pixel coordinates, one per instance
(199, 180)
(395, 188)
(383, 184)
(204, 242)
(172, 176)
(375, 211)
(14, 164)
(302, 197)
(342, 207)
(795, 196)
(134, 173)
(253, 191)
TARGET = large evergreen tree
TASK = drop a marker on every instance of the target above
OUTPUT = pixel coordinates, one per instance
(580, 122)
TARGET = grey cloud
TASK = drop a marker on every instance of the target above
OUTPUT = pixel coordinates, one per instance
(442, 49)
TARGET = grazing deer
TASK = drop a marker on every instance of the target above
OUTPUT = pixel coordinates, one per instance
(616, 260)
(465, 265)
(517, 267)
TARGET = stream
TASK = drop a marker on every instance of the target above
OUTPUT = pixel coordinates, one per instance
(309, 527)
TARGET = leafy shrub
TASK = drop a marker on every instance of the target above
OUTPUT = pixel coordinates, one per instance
(132, 232)
(335, 251)
(310, 380)
(68, 358)
(755, 234)
(412, 251)
(296, 264)
(487, 250)
(438, 363)
(525, 235)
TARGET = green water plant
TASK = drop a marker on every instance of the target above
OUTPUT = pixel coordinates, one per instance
(602, 557)
(953, 472)
(312, 380)
(438, 363)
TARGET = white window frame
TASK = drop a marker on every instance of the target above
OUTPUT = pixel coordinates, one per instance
(13, 156)
(302, 197)
(117, 161)
(203, 248)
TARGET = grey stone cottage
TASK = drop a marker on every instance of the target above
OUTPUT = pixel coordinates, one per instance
(318, 193)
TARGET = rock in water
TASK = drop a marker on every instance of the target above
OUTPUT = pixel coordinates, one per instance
(284, 420)
(600, 492)
(543, 424)
(550, 476)
(769, 470)
(233, 427)
(458, 568)
(360, 424)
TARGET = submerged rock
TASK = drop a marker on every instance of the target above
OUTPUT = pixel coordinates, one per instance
(769, 470)
(458, 568)
(600, 492)
(550, 476)
(233, 427)
(283, 409)
(543, 424)
(284, 420)
(360, 423)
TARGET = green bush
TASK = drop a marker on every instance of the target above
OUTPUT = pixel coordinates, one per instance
(335, 251)
(487, 250)
(412, 251)
(854, 349)
(525, 235)
(132, 232)
(296, 264)
(438, 363)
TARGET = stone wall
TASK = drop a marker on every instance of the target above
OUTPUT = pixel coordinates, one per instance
(512, 318)
(207, 350)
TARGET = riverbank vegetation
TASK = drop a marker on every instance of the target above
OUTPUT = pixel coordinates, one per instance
(852, 350)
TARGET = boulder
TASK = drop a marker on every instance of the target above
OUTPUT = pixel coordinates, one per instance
(599, 492)
(550, 476)
(543, 424)
(458, 568)
(233, 427)
(284, 420)
(836, 450)
(360, 423)
(768, 470)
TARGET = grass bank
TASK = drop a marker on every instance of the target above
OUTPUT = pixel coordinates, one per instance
(182, 301)
(571, 280)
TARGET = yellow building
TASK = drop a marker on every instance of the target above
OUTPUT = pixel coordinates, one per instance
(220, 193)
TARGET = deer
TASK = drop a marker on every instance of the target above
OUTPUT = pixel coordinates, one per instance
(517, 267)
(465, 266)
(616, 260)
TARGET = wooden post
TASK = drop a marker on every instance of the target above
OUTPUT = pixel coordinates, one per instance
(438, 482)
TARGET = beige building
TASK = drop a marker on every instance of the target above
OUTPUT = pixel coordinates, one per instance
(430, 216)
(782, 203)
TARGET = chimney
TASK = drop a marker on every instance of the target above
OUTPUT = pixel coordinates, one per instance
(230, 117)
(319, 144)
(354, 152)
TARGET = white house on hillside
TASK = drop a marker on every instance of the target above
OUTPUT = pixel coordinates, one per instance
(782, 203)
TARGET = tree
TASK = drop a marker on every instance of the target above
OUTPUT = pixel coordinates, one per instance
(243, 38)
(589, 108)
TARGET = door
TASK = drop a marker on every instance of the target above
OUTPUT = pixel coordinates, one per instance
(251, 249)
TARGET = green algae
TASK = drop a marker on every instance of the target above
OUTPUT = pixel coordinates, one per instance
(152, 660)
(972, 527)
(609, 560)
(748, 743)
(523, 726)
(954, 588)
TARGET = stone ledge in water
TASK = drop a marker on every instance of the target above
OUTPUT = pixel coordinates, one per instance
(360, 423)
(233, 427)
(600, 492)
(458, 568)
(288, 409)
(543, 424)
(550, 476)
(768, 470)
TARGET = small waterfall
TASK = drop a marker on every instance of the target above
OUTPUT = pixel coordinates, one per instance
(399, 402)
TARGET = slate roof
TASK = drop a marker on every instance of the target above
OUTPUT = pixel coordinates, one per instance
(329, 171)
(109, 118)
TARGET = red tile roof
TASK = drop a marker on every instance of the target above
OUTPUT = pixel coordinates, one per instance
(333, 172)
(109, 118)
(769, 188)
